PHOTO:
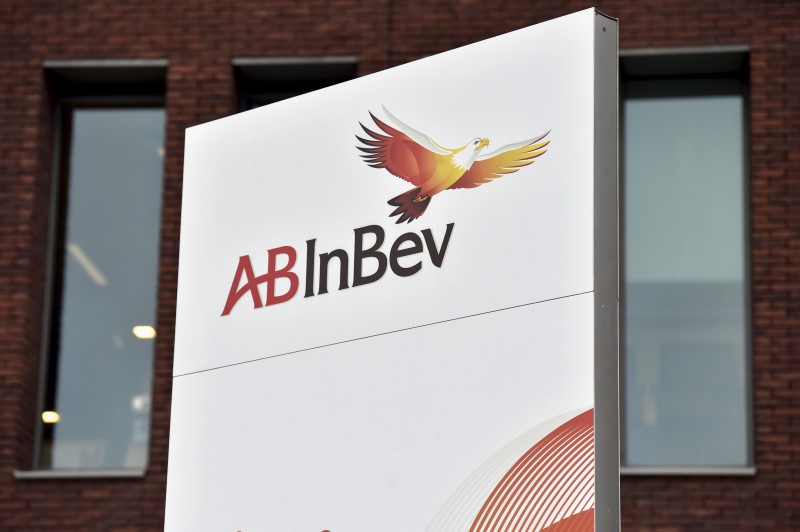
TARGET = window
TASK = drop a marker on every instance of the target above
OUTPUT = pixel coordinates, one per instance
(686, 319)
(98, 363)
(266, 80)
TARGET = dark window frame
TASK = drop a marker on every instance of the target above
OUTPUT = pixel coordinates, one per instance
(697, 63)
(76, 85)
(265, 80)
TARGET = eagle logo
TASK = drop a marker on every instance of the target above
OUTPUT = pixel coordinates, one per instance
(432, 168)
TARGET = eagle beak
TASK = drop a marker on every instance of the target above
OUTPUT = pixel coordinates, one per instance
(483, 144)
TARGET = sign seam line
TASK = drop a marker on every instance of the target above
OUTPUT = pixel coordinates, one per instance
(381, 334)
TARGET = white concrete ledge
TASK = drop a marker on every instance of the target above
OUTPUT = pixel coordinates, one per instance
(294, 60)
(105, 63)
(44, 474)
(684, 50)
(688, 471)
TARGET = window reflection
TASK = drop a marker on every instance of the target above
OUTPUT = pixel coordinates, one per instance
(685, 278)
(100, 372)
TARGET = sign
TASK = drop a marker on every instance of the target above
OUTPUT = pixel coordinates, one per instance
(397, 299)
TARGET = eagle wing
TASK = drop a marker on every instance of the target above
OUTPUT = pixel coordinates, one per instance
(410, 154)
(498, 163)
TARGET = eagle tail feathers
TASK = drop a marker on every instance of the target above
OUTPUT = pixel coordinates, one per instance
(406, 208)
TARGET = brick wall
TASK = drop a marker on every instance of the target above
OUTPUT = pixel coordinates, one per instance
(199, 38)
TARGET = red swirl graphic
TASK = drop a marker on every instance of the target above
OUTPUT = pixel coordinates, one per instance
(551, 487)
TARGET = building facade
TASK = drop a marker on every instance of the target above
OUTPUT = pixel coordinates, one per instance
(711, 414)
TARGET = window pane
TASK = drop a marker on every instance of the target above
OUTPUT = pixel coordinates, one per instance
(101, 369)
(685, 276)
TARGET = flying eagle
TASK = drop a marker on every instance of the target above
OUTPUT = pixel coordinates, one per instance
(432, 168)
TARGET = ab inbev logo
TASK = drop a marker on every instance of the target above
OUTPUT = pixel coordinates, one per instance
(430, 168)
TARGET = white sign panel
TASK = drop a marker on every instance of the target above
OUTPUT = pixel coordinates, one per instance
(395, 296)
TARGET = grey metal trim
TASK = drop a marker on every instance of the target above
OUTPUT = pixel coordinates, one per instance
(622, 270)
(685, 50)
(688, 471)
(747, 231)
(78, 473)
(606, 273)
(105, 63)
(290, 60)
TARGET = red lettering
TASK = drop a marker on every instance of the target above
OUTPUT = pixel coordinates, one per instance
(244, 267)
(252, 282)
(284, 272)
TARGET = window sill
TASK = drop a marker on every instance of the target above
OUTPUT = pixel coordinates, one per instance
(44, 474)
(738, 471)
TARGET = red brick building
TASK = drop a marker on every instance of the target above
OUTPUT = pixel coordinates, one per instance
(203, 60)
